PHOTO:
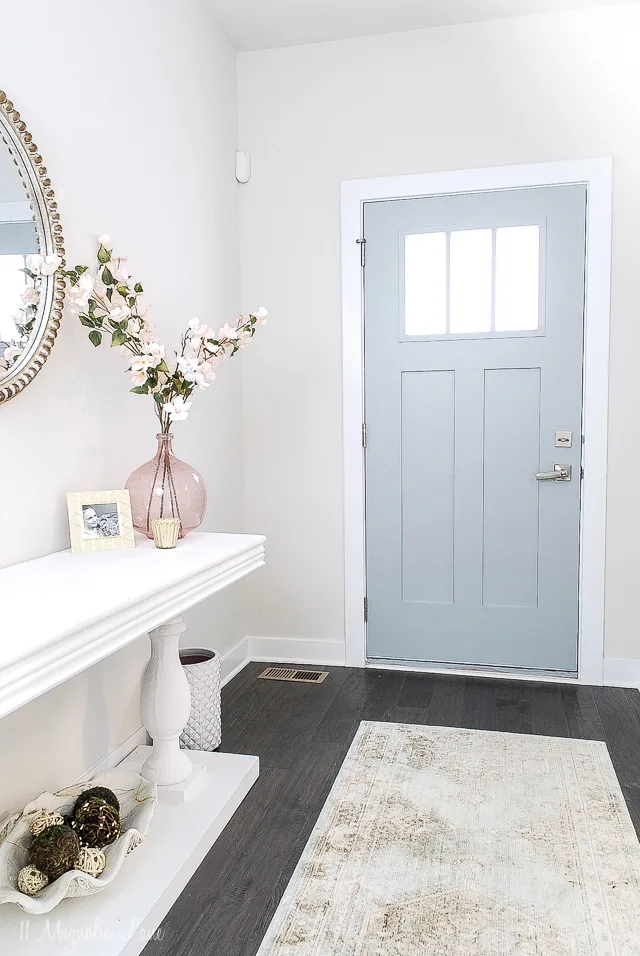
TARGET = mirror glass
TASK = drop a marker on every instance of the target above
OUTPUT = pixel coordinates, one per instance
(32, 282)
(18, 242)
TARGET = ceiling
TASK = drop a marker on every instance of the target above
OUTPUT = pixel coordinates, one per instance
(262, 24)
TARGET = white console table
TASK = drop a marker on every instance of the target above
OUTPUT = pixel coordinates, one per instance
(63, 613)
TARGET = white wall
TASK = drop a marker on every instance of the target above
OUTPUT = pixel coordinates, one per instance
(522, 90)
(133, 106)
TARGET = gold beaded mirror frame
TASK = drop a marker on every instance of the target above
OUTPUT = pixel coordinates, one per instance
(31, 301)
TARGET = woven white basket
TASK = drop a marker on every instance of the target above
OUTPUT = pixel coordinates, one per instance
(203, 731)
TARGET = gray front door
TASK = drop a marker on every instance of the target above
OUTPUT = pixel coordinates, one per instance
(473, 394)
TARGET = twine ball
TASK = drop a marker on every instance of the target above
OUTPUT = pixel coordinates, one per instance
(97, 823)
(31, 880)
(91, 860)
(48, 818)
(106, 795)
(54, 851)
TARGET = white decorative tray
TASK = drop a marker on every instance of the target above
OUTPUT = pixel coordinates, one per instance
(138, 799)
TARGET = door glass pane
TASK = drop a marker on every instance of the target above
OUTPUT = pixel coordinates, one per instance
(471, 256)
(425, 284)
(517, 278)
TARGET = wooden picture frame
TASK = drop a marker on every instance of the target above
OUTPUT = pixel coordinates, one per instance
(100, 521)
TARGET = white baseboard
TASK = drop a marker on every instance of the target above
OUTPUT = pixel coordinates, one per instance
(117, 755)
(618, 672)
(233, 661)
(296, 650)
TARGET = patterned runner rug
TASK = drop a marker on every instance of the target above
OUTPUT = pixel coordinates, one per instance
(436, 841)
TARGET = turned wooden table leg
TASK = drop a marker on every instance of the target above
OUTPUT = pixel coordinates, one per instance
(165, 705)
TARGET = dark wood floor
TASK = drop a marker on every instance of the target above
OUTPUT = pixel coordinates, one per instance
(302, 732)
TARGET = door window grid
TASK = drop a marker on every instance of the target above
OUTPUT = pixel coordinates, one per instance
(472, 281)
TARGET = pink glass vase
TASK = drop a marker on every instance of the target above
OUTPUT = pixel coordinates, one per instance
(166, 487)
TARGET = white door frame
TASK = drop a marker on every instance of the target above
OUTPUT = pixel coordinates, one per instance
(597, 175)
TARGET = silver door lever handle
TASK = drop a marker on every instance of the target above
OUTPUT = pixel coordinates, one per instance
(559, 473)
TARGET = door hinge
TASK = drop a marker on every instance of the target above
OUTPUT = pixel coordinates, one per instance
(364, 435)
(362, 243)
(366, 610)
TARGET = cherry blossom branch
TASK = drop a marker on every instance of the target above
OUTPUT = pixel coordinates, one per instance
(107, 300)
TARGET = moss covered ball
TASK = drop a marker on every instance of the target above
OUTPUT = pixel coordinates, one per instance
(97, 823)
(54, 851)
(106, 795)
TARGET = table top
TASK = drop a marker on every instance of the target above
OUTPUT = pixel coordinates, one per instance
(63, 612)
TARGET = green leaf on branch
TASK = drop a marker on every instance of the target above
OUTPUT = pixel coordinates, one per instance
(138, 288)
(87, 320)
(109, 294)
(140, 390)
(103, 255)
(81, 269)
(118, 338)
(122, 289)
(107, 277)
(95, 337)
(158, 398)
(163, 367)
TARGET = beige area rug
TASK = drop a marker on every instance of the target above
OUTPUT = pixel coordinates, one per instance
(443, 842)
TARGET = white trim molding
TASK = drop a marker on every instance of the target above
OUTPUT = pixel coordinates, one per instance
(597, 175)
(234, 660)
(621, 673)
(294, 650)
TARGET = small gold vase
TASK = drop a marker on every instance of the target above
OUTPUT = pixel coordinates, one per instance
(165, 532)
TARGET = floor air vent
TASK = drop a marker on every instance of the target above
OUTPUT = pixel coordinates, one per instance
(289, 673)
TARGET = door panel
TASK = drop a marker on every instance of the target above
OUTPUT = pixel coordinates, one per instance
(428, 416)
(473, 360)
(510, 526)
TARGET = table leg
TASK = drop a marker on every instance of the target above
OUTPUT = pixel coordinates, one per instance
(165, 705)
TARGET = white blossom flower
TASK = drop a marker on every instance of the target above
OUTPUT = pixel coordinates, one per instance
(50, 265)
(119, 313)
(105, 240)
(144, 362)
(206, 370)
(261, 315)
(155, 350)
(133, 327)
(192, 371)
(147, 334)
(226, 332)
(244, 338)
(194, 324)
(30, 296)
(11, 353)
(34, 262)
(78, 299)
(177, 410)
(86, 282)
(138, 377)
(119, 271)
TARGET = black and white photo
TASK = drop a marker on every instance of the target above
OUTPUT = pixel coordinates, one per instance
(100, 521)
